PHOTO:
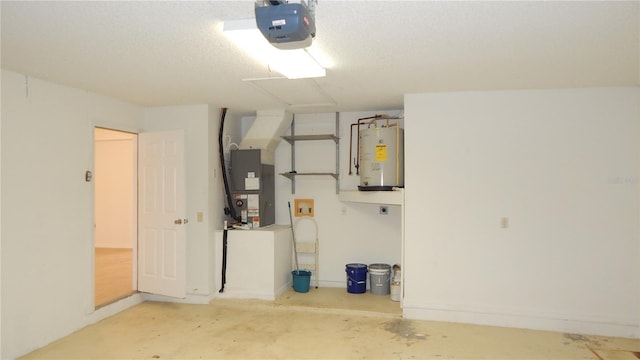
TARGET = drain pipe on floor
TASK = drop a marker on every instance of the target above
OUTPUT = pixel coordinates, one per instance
(224, 257)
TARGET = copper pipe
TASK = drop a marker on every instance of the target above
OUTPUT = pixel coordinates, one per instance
(358, 142)
(351, 148)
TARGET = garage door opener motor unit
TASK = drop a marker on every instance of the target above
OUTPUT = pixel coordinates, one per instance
(287, 24)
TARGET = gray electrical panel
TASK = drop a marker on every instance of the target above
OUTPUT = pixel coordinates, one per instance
(252, 188)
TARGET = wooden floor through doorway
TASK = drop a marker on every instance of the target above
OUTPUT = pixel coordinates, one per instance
(113, 274)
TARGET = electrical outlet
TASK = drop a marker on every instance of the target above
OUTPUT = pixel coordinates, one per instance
(384, 210)
(304, 207)
(504, 222)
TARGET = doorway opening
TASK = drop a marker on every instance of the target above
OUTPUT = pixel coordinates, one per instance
(116, 225)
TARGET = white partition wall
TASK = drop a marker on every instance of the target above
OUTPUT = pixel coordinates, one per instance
(522, 209)
(258, 262)
(47, 207)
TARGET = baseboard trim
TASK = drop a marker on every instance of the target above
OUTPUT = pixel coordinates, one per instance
(189, 299)
(113, 308)
(243, 294)
(332, 284)
(565, 324)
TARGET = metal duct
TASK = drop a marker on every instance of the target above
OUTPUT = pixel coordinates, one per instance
(265, 132)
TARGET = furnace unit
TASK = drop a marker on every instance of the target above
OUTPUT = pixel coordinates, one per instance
(252, 187)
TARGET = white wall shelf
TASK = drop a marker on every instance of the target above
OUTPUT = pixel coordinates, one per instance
(394, 197)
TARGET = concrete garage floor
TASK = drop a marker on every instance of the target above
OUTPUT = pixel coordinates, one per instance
(326, 323)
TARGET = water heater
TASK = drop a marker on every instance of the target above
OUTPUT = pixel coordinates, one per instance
(381, 160)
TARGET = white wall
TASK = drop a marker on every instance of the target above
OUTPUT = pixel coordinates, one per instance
(348, 232)
(564, 167)
(47, 207)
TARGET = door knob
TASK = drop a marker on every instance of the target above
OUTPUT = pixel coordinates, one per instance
(180, 221)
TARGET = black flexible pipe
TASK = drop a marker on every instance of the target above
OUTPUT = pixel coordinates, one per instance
(229, 209)
(224, 257)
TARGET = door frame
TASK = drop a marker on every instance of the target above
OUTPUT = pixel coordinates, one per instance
(134, 205)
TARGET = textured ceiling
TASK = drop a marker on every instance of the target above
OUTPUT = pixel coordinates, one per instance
(170, 53)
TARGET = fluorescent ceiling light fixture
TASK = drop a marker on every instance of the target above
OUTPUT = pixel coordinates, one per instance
(294, 64)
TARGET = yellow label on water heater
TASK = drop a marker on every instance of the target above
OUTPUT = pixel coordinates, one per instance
(381, 152)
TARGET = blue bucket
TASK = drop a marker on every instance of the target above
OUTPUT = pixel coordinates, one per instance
(301, 280)
(356, 278)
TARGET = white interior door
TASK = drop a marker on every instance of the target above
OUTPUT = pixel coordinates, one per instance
(162, 209)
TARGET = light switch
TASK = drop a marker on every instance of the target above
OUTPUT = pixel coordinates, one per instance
(199, 216)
